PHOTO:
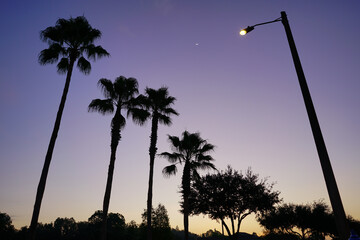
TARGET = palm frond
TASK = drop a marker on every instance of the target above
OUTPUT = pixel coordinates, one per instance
(163, 119)
(93, 52)
(104, 107)
(172, 157)
(140, 101)
(51, 54)
(63, 66)
(207, 148)
(175, 142)
(206, 166)
(139, 116)
(169, 111)
(202, 157)
(84, 65)
(107, 88)
(169, 170)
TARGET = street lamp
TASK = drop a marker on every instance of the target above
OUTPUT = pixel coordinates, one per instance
(334, 195)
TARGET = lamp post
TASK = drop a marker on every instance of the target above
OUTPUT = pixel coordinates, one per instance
(334, 195)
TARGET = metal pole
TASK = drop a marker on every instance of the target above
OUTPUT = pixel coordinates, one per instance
(334, 195)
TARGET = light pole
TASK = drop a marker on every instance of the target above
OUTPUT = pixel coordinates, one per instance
(334, 195)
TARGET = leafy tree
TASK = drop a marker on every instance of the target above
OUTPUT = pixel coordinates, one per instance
(231, 195)
(157, 104)
(306, 221)
(119, 96)
(115, 225)
(192, 151)
(211, 233)
(66, 228)
(160, 222)
(7, 230)
(159, 216)
(69, 40)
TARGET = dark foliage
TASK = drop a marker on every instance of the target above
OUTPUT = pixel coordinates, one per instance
(231, 195)
(7, 230)
(160, 223)
(306, 221)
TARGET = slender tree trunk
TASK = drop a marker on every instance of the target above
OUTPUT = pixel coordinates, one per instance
(152, 152)
(240, 218)
(115, 138)
(232, 224)
(48, 157)
(186, 192)
(226, 227)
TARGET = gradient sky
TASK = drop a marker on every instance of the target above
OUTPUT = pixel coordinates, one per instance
(240, 93)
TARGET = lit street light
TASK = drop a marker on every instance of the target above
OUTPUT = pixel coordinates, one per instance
(334, 195)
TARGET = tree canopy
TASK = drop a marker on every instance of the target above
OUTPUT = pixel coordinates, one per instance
(231, 195)
(160, 223)
(306, 221)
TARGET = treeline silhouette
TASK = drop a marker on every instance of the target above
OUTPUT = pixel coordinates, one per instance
(117, 228)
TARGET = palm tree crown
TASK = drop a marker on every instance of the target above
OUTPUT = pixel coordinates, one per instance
(158, 104)
(193, 151)
(118, 95)
(70, 40)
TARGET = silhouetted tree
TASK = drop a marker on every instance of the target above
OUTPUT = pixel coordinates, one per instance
(115, 225)
(231, 195)
(66, 228)
(7, 230)
(69, 40)
(161, 223)
(157, 104)
(212, 234)
(306, 221)
(192, 151)
(119, 96)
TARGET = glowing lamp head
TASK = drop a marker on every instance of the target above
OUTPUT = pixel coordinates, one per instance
(243, 32)
(246, 30)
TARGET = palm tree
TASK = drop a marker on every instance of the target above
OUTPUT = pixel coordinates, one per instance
(193, 151)
(157, 103)
(69, 40)
(118, 96)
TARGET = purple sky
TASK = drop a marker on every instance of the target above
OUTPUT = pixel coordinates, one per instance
(240, 93)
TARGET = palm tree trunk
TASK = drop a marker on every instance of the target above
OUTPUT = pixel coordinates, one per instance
(48, 157)
(186, 192)
(152, 152)
(115, 138)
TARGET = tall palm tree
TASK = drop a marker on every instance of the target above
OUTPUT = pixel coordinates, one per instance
(193, 151)
(157, 103)
(68, 40)
(119, 95)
